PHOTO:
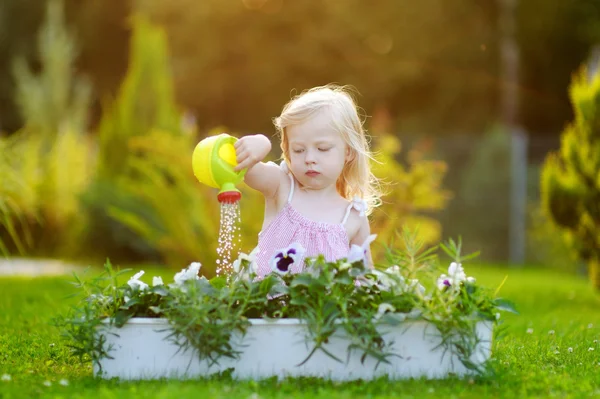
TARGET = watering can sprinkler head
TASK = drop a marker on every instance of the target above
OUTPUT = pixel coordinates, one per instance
(213, 161)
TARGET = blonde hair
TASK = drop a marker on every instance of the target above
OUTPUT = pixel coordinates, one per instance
(356, 178)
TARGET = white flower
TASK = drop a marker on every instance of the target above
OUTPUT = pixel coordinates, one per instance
(359, 253)
(551, 332)
(443, 281)
(63, 382)
(134, 282)
(590, 325)
(191, 273)
(383, 308)
(570, 350)
(250, 260)
(457, 272)
(590, 349)
(530, 331)
(6, 377)
(497, 316)
(456, 276)
(284, 259)
(47, 383)
(157, 280)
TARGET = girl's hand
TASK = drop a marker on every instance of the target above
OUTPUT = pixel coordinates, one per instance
(251, 150)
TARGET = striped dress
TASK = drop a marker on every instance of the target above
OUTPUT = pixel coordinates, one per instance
(290, 230)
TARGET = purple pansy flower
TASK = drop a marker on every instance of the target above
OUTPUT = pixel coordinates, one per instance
(284, 259)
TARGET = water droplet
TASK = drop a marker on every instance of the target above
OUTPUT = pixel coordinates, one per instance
(229, 237)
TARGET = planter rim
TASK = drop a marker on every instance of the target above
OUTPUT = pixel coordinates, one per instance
(254, 322)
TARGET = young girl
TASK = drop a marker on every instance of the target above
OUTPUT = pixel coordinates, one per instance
(318, 199)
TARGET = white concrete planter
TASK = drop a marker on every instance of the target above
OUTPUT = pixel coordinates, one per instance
(140, 351)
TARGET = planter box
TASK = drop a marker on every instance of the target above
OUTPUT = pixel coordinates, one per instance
(140, 351)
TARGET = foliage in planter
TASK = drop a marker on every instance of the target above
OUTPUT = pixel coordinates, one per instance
(205, 315)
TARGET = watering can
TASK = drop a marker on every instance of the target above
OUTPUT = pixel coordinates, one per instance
(213, 161)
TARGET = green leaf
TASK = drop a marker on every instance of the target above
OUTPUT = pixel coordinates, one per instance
(131, 302)
(505, 305)
(304, 280)
(122, 317)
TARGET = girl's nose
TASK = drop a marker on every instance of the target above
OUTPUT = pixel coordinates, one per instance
(309, 157)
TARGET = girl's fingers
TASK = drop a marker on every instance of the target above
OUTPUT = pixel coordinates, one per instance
(241, 156)
(242, 165)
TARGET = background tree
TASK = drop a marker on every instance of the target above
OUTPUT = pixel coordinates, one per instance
(571, 177)
(235, 61)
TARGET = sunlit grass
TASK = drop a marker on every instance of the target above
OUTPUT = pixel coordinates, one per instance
(550, 349)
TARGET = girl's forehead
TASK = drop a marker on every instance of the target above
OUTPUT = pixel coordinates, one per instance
(318, 127)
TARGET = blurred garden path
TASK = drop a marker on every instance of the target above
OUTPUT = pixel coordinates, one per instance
(35, 267)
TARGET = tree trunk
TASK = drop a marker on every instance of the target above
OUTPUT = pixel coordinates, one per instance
(594, 271)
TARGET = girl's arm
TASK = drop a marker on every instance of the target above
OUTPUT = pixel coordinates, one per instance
(263, 177)
(361, 237)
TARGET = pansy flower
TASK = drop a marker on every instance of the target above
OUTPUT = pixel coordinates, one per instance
(284, 259)
(191, 273)
(245, 264)
(134, 282)
(456, 275)
(157, 280)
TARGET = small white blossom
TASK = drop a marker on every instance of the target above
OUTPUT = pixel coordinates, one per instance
(557, 352)
(134, 282)
(595, 341)
(47, 383)
(590, 325)
(497, 316)
(63, 382)
(551, 332)
(191, 273)
(570, 350)
(6, 377)
(530, 331)
(590, 349)
(456, 276)
(157, 280)
(250, 259)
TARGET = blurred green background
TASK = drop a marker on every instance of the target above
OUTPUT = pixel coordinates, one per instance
(102, 103)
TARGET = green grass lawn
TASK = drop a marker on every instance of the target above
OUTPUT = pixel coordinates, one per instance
(550, 350)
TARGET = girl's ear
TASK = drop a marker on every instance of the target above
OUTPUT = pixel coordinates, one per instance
(350, 154)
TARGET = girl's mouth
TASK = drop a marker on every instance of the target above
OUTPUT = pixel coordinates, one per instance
(312, 173)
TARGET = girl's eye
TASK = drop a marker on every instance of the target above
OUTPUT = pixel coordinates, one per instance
(324, 149)
(298, 151)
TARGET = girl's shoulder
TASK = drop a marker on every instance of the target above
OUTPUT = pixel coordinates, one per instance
(359, 206)
(285, 184)
(356, 217)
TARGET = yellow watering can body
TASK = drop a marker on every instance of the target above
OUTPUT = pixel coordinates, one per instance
(213, 161)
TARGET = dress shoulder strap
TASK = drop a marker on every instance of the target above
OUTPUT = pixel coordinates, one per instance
(289, 200)
(357, 203)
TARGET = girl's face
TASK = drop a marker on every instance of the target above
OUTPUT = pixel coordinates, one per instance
(317, 152)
